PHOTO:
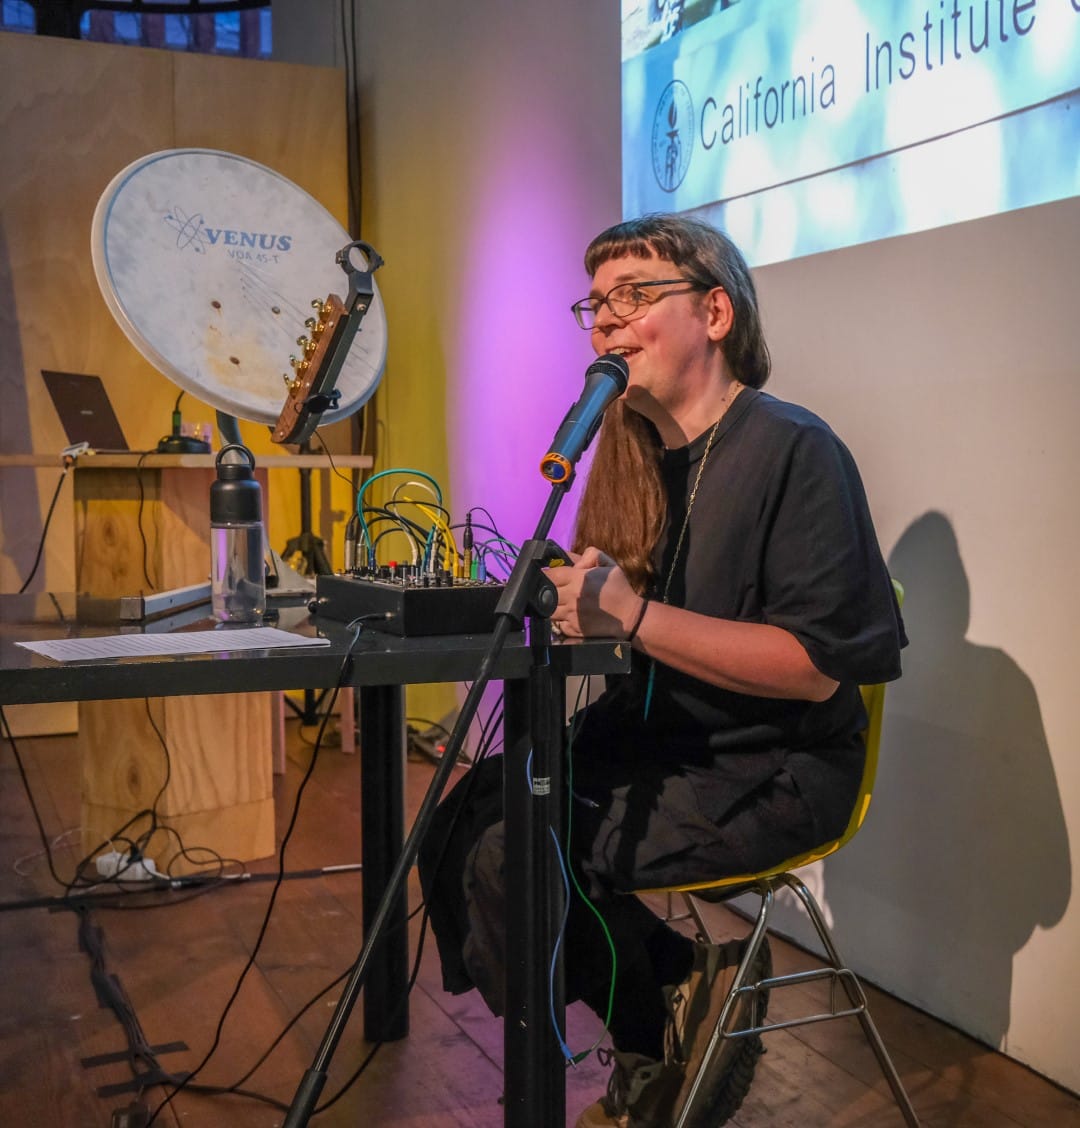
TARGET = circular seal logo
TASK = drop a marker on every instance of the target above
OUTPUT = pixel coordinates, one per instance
(672, 135)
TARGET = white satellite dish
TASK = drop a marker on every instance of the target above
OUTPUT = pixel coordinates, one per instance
(210, 263)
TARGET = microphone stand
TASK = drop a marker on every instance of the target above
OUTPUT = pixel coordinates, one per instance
(536, 896)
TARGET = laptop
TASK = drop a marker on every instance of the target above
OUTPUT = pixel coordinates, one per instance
(85, 411)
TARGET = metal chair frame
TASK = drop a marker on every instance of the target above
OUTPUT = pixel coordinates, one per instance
(766, 885)
(836, 971)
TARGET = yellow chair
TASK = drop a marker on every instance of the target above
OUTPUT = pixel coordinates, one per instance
(746, 986)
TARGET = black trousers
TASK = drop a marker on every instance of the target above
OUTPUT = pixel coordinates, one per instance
(639, 815)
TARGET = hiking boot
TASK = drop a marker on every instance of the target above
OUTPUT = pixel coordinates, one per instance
(695, 1006)
(640, 1093)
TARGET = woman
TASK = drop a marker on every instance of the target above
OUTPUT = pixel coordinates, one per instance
(727, 536)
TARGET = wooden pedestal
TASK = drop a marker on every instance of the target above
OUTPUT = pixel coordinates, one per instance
(217, 777)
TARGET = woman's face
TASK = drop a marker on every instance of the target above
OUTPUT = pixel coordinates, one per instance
(665, 341)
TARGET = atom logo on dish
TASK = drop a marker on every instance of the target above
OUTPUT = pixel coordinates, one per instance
(188, 230)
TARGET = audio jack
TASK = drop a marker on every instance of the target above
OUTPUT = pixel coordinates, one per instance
(467, 545)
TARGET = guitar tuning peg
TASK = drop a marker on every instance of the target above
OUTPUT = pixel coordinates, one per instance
(303, 342)
(293, 361)
(311, 323)
(318, 304)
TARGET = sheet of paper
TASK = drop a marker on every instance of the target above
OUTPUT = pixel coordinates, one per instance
(183, 642)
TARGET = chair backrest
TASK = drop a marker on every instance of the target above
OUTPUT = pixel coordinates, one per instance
(874, 701)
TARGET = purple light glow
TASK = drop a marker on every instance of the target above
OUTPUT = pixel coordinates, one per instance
(520, 360)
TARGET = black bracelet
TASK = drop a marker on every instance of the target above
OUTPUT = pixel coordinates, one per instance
(637, 622)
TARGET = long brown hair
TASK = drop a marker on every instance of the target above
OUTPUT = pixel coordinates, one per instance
(623, 507)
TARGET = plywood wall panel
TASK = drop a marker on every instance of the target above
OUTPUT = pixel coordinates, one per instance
(72, 115)
(68, 123)
(290, 118)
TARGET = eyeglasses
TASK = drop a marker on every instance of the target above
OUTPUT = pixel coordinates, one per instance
(626, 299)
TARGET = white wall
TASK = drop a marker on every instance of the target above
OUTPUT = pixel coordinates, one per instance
(947, 361)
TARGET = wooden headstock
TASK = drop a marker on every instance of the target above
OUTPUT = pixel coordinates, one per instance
(313, 369)
(311, 389)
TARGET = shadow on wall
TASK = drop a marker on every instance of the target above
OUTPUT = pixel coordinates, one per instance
(20, 518)
(965, 851)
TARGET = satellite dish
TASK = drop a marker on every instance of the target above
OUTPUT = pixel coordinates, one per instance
(210, 264)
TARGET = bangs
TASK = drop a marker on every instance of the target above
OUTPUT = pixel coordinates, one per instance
(612, 245)
(672, 238)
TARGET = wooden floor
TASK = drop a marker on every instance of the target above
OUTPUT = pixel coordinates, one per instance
(179, 963)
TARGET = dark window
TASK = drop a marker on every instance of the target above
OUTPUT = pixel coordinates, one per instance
(245, 32)
(16, 15)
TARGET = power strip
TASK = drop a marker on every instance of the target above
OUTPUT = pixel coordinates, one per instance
(408, 608)
(120, 867)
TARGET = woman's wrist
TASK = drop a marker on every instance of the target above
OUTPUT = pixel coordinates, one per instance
(631, 634)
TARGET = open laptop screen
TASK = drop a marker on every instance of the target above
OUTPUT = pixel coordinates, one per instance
(85, 411)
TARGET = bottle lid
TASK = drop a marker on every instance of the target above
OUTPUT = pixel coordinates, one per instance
(235, 496)
(235, 469)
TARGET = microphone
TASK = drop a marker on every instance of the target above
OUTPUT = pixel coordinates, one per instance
(605, 381)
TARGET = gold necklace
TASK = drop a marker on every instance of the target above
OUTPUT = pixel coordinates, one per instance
(729, 398)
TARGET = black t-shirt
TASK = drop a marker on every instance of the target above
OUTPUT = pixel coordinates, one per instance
(780, 533)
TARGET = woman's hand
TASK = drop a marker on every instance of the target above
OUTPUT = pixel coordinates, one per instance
(595, 597)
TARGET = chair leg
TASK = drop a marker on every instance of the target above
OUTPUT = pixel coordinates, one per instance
(738, 985)
(869, 1028)
(693, 911)
(671, 914)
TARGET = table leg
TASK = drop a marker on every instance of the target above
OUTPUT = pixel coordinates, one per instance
(535, 1071)
(381, 727)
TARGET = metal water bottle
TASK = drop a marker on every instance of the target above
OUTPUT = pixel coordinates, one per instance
(237, 575)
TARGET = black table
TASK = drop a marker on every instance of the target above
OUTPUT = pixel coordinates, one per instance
(381, 665)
